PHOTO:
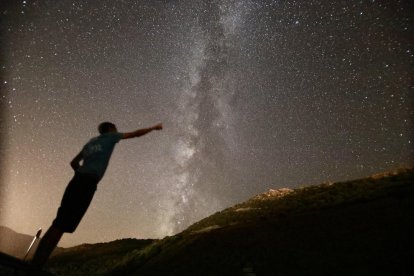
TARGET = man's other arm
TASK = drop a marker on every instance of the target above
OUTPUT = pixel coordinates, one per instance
(75, 162)
(140, 132)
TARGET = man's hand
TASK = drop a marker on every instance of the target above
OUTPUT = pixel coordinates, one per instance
(158, 126)
(75, 162)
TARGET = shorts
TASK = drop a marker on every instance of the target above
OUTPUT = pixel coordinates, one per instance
(76, 199)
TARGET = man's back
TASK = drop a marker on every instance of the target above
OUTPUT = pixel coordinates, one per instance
(97, 152)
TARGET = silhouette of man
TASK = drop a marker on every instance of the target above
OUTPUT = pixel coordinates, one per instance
(95, 157)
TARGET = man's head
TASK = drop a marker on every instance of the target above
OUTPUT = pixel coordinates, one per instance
(106, 127)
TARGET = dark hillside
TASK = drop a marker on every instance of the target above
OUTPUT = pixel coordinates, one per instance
(360, 227)
(93, 259)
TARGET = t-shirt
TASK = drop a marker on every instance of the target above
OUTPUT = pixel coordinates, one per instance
(97, 152)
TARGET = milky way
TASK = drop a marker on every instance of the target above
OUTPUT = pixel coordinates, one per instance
(253, 95)
(204, 117)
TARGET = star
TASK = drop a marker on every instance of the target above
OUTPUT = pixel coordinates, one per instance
(253, 95)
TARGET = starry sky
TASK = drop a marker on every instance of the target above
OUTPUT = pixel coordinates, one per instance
(252, 94)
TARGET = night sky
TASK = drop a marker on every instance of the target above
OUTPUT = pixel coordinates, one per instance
(253, 95)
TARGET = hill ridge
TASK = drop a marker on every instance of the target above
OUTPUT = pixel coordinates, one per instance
(349, 227)
(342, 228)
(313, 196)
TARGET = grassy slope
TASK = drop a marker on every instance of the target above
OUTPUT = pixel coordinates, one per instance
(360, 227)
(95, 259)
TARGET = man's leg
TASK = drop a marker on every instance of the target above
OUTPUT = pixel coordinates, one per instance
(46, 246)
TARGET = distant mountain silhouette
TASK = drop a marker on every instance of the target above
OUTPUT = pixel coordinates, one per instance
(360, 227)
(13, 243)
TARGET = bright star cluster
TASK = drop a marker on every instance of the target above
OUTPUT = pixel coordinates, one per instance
(253, 95)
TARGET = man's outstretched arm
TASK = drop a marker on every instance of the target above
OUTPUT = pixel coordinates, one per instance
(140, 132)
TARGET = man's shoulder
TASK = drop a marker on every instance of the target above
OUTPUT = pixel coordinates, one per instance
(105, 138)
(112, 136)
(94, 139)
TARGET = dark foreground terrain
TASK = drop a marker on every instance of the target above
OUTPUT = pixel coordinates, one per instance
(361, 227)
